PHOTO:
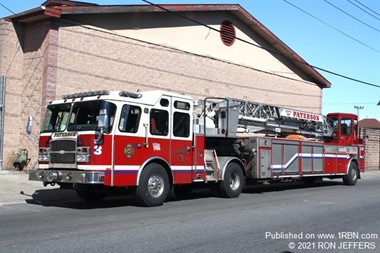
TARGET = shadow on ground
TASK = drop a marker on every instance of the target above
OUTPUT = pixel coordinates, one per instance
(263, 188)
(69, 199)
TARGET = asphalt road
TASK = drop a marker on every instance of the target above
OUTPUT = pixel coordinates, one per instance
(275, 218)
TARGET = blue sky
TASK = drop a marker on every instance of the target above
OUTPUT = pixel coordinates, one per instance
(353, 50)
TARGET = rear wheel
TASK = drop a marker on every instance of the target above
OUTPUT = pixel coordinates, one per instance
(233, 182)
(352, 177)
(153, 186)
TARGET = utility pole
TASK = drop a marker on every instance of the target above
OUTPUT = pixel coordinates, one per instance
(359, 107)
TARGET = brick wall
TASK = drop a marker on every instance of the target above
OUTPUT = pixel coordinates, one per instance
(11, 66)
(372, 152)
(25, 64)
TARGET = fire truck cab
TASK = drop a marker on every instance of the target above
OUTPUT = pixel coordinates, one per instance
(157, 141)
(345, 128)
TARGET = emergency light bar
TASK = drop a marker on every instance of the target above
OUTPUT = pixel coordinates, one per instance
(130, 94)
(86, 94)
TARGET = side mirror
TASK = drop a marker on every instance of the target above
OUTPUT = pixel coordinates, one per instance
(29, 125)
(102, 124)
(103, 119)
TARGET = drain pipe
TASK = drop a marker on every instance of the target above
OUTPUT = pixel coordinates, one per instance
(2, 115)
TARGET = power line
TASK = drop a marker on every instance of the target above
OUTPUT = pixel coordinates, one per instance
(346, 77)
(5, 7)
(268, 50)
(367, 8)
(357, 6)
(348, 14)
(332, 27)
(352, 103)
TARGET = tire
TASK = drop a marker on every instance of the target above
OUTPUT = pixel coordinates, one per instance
(91, 192)
(233, 183)
(353, 173)
(153, 186)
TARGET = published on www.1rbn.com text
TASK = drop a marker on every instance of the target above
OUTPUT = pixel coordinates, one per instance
(342, 241)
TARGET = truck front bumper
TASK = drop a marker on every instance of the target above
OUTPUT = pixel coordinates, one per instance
(67, 176)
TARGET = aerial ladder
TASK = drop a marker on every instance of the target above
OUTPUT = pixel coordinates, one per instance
(227, 117)
(274, 142)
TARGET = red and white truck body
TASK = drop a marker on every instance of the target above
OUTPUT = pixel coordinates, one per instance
(156, 141)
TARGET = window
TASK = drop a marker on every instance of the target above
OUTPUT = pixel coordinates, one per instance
(181, 124)
(182, 105)
(159, 122)
(56, 118)
(85, 115)
(164, 102)
(130, 119)
(345, 126)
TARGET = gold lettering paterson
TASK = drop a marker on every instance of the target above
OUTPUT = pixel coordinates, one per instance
(306, 116)
(65, 134)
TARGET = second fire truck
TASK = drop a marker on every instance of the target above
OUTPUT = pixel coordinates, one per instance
(156, 141)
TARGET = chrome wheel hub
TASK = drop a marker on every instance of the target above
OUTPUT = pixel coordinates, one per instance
(155, 185)
(234, 181)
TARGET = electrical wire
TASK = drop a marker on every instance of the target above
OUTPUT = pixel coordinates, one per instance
(346, 77)
(367, 7)
(332, 27)
(5, 7)
(164, 70)
(348, 14)
(357, 6)
(268, 50)
(352, 103)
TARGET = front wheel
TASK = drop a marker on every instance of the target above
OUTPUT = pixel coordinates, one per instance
(233, 182)
(153, 186)
(353, 173)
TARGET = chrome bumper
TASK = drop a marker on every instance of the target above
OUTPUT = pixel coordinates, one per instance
(67, 176)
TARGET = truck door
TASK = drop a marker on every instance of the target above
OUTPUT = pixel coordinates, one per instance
(181, 141)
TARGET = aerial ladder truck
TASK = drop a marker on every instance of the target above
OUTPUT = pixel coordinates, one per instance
(275, 143)
(156, 142)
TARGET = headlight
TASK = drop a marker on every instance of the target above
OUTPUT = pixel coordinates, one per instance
(83, 154)
(52, 176)
(43, 155)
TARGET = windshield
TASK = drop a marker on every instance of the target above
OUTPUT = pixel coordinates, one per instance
(334, 122)
(83, 116)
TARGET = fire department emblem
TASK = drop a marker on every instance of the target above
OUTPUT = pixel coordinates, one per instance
(128, 151)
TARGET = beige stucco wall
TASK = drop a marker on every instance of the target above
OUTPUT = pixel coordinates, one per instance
(125, 63)
(176, 32)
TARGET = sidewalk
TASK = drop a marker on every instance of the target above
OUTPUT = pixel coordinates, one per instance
(15, 187)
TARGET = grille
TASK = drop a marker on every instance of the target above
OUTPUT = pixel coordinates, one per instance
(63, 151)
(66, 145)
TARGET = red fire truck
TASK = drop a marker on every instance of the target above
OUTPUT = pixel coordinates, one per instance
(157, 141)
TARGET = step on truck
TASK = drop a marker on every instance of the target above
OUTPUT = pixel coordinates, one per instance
(156, 142)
